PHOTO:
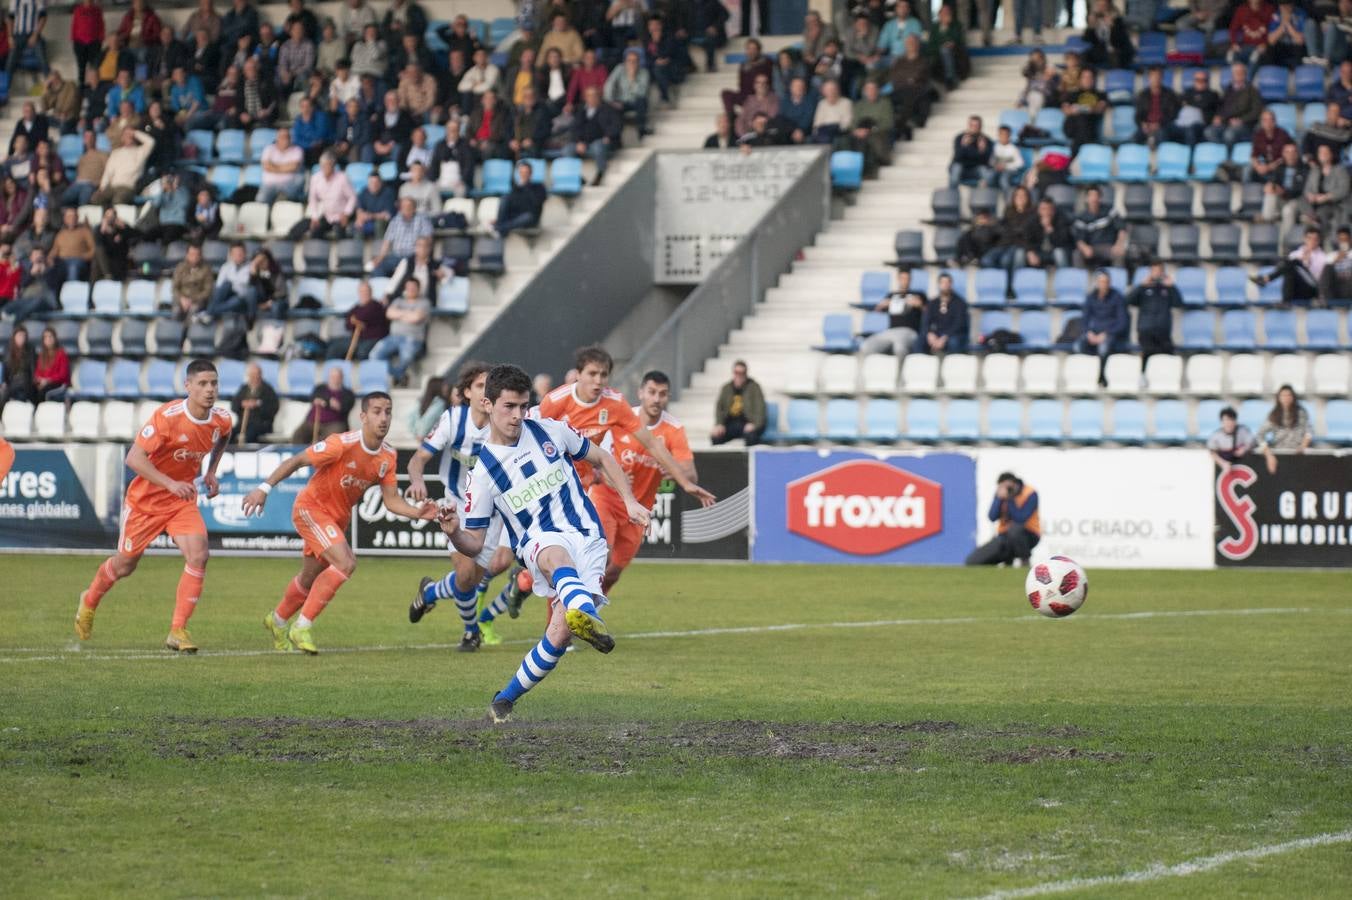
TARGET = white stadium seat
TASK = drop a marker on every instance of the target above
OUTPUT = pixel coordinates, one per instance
(1244, 374)
(18, 420)
(1080, 374)
(920, 373)
(1203, 375)
(289, 416)
(119, 420)
(84, 421)
(1330, 374)
(801, 375)
(1164, 375)
(49, 420)
(1041, 373)
(878, 373)
(839, 374)
(1000, 373)
(958, 373)
(462, 205)
(487, 212)
(285, 214)
(1123, 374)
(1287, 368)
(253, 218)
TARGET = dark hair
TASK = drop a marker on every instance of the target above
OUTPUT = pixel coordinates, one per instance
(413, 281)
(1229, 413)
(15, 359)
(374, 395)
(1007, 476)
(656, 377)
(1283, 418)
(435, 387)
(468, 373)
(200, 365)
(45, 356)
(506, 378)
(593, 354)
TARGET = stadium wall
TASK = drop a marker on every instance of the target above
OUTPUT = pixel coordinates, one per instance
(1107, 508)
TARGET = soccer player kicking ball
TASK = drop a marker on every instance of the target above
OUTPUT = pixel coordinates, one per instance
(457, 437)
(345, 465)
(167, 457)
(525, 475)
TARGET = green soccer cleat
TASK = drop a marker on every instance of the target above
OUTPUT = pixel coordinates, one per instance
(589, 629)
(279, 639)
(302, 639)
(489, 634)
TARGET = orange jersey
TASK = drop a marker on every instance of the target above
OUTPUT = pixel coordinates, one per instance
(344, 469)
(645, 474)
(176, 444)
(608, 414)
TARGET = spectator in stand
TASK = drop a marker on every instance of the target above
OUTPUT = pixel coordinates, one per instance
(563, 37)
(762, 100)
(1300, 271)
(946, 46)
(404, 17)
(1340, 91)
(458, 37)
(1155, 300)
(139, 29)
(833, 116)
(205, 221)
(1335, 283)
(798, 109)
(354, 19)
(126, 89)
(760, 135)
(1018, 526)
(354, 135)
(453, 160)
(35, 291)
(910, 77)
(1019, 235)
(660, 51)
(589, 74)
(27, 19)
(1268, 141)
(29, 228)
(60, 101)
(1042, 83)
(905, 308)
(112, 246)
(1100, 238)
(1231, 442)
(296, 59)
(269, 284)
(32, 126)
(170, 207)
(787, 67)
(722, 138)
(522, 206)
(1197, 109)
(393, 129)
(860, 43)
(1287, 428)
(187, 99)
(311, 131)
(552, 81)
(755, 64)
(369, 55)
(1109, 39)
(18, 369)
(268, 52)
(72, 250)
(330, 405)
(978, 240)
(192, 283)
(51, 369)
(740, 410)
(115, 58)
(517, 78)
(1285, 37)
(239, 20)
(88, 172)
(895, 31)
(376, 205)
(1239, 110)
(1326, 190)
(1249, 32)
(124, 168)
(626, 89)
(1335, 132)
(366, 326)
(1284, 189)
(401, 234)
(343, 87)
(204, 18)
(283, 169)
(872, 128)
(330, 204)
(425, 195)
(417, 93)
(422, 267)
(815, 36)
(1028, 12)
(944, 326)
(407, 340)
(86, 35)
(255, 406)
(1006, 161)
(1328, 40)
(971, 156)
(234, 292)
(1157, 108)
(482, 76)
(10, 275)
(256, 102)
(1106, 323)
(204, 61)
(1055, 245)
(596, 132)
(1083, 107)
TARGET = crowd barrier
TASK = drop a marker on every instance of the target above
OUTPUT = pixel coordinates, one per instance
(1116, 508)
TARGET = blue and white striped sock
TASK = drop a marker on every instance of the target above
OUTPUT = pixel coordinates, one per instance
(483, 585)
(572, 592)
(465, 601)
(493, 610)
(538, 663)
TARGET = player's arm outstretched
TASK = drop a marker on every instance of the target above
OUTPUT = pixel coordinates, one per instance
(139, 462)
(396, 504)
(606, 463)
(255, 499)
(670, 466)
(467, 542)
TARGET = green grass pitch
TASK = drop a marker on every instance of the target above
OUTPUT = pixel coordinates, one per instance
(948, 742)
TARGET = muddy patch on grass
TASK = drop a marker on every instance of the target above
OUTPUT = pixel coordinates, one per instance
(1062, 754)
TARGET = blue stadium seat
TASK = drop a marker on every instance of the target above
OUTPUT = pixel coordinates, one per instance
(538, 169)
(1171, 422)
(1253, 412)
(1013, 119)
(70, 148)
(1128, 422)
(922, 420)
(497, 177)
(1270, 294)
(1133, 163)
(1052, 121)
(389, 170)
(1286, 116)
(842, 420)
(920, 281)
(259, 139)
(160, 380)
(1272, 83)
(1312, 114)
(106, 299)
(1190, 43)
(847, 169)
(1036, 328)
(1191, 283)
(1208, 418)
(1279, 330)
(1237, 330)
(357, 173)
(874, 286)
(1044, 421)
(1199, 330)
(1338, 421)
(75, 298)
(1095, 164)
(1241, 153)
(132, 334)
(1321, 330)
(435, 133)
(995, 320)
(565, 176)
(230, 146)
(837, 334)
(98, 337)
(1003, 420)
(1120, 86)
(1153, 49)
(300, 378)
(946, 206)
(230, 374)
(453, 297)
(1069, 286)
(1206, 159)
(168, 337)
(225, 180)
(90, 378)
(1030, 287)
(772, 433)
(1171, 161)
(141, 297)
(880, 420)
(963, 420)
(373, 375)
(1232, 286)
(873, 322)
(1122, 124)
(988, 288)
(1117, 277)
(205, 143)
(1086, 421)
(251, 176)
(499, 28)
(124, 377)
(801, 421)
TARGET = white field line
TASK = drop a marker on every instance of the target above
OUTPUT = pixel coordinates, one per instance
(73, 650)
(1157, 871)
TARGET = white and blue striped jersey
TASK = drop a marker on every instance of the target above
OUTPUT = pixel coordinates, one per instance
(532, 485)
(458, 440)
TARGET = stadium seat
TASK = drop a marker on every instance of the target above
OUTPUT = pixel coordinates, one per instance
(298, 378)
(1279, 330)
(204, 142)
(230, 146)
(801, 417)
(1163, 375)
(1128, 422)
(74, 298)
(1121, 124)
(873, 287)
(1190, 45)
(117, 420)
(838, 375)
(1041, 374)
(1035, 327)
(1250, 201)
(1133, 163)
(1184, 243)
(847, 170)
(1053, 122)
(17, 421)
(1199, 330)
(1207, 158)
(983, 199)
(1172, 161)
(922, 419)
(343, 294)
(124, 379)
(1191, 284)
(872, 322)
(1138, 202)
(106, 298)
(1045, 421)
(1272, 85)
(1000, 374)
(993, 320)
(168, 337)
(1224, 243)
(1063, 196)
(230, 375)
(357, 173)
(1014, 120)
(282, 218)
(1119, 85)
(130, 338)
(224, 180)
(920, 373)
(1238, 328)
(1030, 287)
(946, 242)
(373, 375)
(565, 177)
(97, 338)
(1178, 199)
(958, 373)
(1202, 373)
(878, 374)
(1152, 49)
(1330, 374)
(1093, 164)
(201, 339)
(1313, 114)
(1287, 368)
(1069, 286)
(946, 206)
(141, 299)
(496, 178)
(837, 334)
(1080, 373)
(1244, 375)
(962, 420)
(1123, 374)
(1004, 420)
(250, 177)
(1085, 421)
(772, 431)
(253, 218)
(67, 334)
(160, 378)
(315, 254)
(49, 421)
(880, 421)
(1232, 285)
(317, 288)
(84, 421)
(800, 379)
(1321, 330)
(1217, 202)
(1171, 422)
(1338, 422)
(1263, 241)
(1253, 412)
(842, 420)
(988, 288)
(89, 379)
(349, 253)
(910, 247)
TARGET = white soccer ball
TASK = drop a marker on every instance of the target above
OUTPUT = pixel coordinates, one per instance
(1057, 587)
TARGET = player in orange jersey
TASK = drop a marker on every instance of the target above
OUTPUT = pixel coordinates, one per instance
(6, 457)
(645, 475)
(162, 498)
(345, 465)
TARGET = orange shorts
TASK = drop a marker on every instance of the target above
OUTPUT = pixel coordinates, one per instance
(318, 529)
(139, 528)
(623, 536)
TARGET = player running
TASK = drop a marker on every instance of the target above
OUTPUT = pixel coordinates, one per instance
(167, 458)
(645, 475)
(345, 465)
(457, 437)
(524, 474)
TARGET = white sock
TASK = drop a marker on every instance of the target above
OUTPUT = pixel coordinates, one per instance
(303, 622)
(281, 623)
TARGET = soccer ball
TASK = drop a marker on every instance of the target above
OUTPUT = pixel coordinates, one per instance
(1057, 587)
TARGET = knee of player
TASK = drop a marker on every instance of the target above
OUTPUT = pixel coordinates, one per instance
(347, 566)
(197, 558)
(123, 566)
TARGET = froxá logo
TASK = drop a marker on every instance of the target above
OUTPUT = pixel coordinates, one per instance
(865, 507)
